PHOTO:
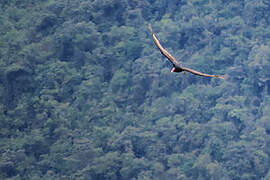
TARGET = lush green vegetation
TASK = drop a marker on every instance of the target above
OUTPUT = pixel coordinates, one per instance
(85, 94)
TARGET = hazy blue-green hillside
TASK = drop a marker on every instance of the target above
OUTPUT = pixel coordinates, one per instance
(85, 94)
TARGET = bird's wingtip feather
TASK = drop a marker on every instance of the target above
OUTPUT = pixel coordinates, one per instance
(150, 28)
(222, 76)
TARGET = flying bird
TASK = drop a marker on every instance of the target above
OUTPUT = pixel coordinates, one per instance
(176, 66)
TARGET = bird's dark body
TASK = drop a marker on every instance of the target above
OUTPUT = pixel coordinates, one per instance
(177, 68)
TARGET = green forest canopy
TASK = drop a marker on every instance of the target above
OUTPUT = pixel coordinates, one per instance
(85, 94)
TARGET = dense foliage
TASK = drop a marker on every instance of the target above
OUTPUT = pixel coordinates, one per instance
(85, 94)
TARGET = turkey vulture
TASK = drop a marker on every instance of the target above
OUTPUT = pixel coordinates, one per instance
(176, 66)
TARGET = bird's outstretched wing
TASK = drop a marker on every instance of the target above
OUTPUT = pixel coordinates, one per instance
(202, 74)
(175, 62)
(162, 50)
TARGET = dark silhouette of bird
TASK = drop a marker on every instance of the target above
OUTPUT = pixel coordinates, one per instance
(176, 66)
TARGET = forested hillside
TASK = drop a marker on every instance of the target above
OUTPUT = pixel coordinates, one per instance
(86, 95)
